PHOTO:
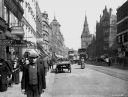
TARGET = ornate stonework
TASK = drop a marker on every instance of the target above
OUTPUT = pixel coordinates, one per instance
(86, 37)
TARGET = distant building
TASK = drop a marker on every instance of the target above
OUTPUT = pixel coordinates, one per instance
(91, 49)
(57, 37)
(45, 28)
(105, 32)
(86, 37)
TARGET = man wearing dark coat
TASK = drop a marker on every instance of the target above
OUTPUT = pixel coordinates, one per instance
(4, 75)
(33, 78)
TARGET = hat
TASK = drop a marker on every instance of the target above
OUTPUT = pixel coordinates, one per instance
(32, 53)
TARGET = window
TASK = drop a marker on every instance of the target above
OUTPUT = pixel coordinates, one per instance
(118, 38)
(6, 14)
(123, 38)
(13, 20)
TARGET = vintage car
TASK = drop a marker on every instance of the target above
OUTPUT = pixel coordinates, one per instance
(63, 64)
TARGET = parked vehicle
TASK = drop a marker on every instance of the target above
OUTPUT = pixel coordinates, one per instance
(63, 64)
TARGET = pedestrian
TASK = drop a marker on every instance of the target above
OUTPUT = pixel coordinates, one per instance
(82, 63)
(10, 65)
(46, 65)
(51, 63)
(4, 75)
(40, 63)
(32, 79)
(107, 59)
(16, 72)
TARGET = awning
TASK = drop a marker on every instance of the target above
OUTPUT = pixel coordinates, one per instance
(9, 35)
(59, 56)
(33, 52)
(18, 31)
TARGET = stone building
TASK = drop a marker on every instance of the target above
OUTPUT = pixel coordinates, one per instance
(11, 31)
(45, 28)
(57, 37)
(40, 31)
(91, 49)
(29, 24)
(122, 26)
(105, 32)
(86, 37)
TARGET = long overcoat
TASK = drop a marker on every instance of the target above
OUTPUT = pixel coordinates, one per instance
(4, 73)
(40, 75)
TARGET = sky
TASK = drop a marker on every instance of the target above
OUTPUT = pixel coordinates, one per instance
(71, 15)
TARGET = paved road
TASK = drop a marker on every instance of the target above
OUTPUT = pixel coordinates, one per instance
(93, 81)
(88, 83)
(15, 90)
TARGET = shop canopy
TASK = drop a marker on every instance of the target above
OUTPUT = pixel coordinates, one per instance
(59, 56)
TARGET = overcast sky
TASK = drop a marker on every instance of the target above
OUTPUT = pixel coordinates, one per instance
(71, 14)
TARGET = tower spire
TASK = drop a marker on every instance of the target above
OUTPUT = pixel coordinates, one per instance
(85, 29)
(54, 16)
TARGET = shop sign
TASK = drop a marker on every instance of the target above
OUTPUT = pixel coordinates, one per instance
(5, 42)
(19, 45)
(18, 30)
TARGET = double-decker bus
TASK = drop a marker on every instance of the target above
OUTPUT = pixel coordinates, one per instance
(71, 55)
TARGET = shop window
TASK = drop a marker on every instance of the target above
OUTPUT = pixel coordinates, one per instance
(126, 37)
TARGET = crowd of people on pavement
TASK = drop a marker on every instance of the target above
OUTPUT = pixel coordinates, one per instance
(9, 73)
(34, 68)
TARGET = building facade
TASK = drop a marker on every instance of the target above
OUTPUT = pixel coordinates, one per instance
(105, 32)
(29, 20)
(86, 37)
(45, 28)
(91, 49)
(11, 32)
(57, 37)
(122, 26)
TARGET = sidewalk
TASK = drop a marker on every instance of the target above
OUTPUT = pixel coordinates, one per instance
(15, 90)
(116, 72)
